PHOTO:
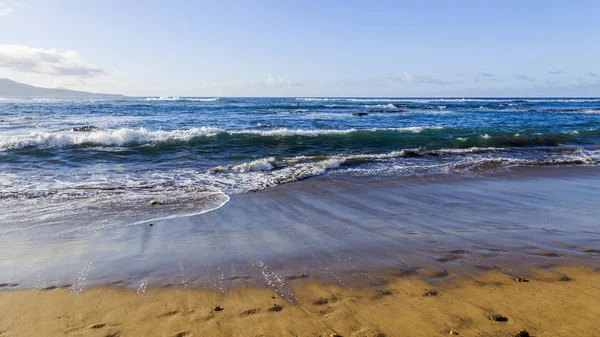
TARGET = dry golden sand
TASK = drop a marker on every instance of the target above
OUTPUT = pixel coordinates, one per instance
(544, 306)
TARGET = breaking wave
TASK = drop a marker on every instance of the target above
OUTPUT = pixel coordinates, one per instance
(177, 98)
(127, 136)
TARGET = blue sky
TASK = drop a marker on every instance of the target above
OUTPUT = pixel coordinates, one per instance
(302, 48)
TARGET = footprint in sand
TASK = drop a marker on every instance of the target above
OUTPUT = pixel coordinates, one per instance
(381, 293)
(250, 312)
(321, 301)
(168, 314)
(276, 308)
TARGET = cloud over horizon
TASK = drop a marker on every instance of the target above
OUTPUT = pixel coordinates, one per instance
(55, 62)
(5, 12)
(280, 82)
(524, 77)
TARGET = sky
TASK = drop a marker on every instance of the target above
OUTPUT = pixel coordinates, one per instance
(304, 48)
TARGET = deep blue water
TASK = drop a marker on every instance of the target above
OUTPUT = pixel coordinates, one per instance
(110, 159)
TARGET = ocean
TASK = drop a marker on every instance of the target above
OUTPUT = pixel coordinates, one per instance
(111, 159)
(80, 176)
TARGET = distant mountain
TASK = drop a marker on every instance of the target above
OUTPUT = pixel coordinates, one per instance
(10, 88)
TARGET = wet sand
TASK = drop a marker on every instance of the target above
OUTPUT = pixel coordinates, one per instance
(562, 301)
(332, 255)
(332, 229)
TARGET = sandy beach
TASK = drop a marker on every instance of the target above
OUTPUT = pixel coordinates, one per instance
(554, 302)
(299, 168)
(317, 258)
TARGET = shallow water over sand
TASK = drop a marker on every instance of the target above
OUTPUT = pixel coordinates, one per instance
(339, 229)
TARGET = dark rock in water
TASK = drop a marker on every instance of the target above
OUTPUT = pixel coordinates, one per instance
(155, 203)
(297, 276)
(441, 274)
(49, 288)
(565, 279)
(383, 293)
(276, 308)
(458, 251)
(407, 271)
(498, 318)
(218, 308)
(550, 254)
(150, 225)
(358, 114)
(447, 258)
(431, 293)
(522, 333)
(87, 128)
(521, 280)
(485, 267)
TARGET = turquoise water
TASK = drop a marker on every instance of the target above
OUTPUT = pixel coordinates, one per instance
(111, 160)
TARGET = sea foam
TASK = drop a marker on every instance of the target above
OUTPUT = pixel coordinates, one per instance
(125, 136)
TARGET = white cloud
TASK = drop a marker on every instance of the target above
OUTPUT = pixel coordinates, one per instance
(25, 59)
(522, 77)
(424, 79)
(280, 82)
(5, 12)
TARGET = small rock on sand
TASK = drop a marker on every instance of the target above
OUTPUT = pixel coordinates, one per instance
(522, 333)
(565, 279)
(431, 293)
(453, 333)
(520, 279)
(498, 318)
(276, 308)
(218, 308)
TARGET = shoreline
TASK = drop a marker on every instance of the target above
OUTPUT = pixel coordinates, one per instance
(337, 230)
(547, 305)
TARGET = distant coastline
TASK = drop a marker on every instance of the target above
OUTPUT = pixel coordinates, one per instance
(13, 89)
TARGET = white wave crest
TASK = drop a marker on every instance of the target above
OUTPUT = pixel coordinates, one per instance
(284, 132)
(103, 137)
(124, 136)
(453, 100)
(382, 106)
(264, 164)
(177, 98)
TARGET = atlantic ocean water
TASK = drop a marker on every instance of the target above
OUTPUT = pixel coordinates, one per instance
(60, 157)
(85, 166)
